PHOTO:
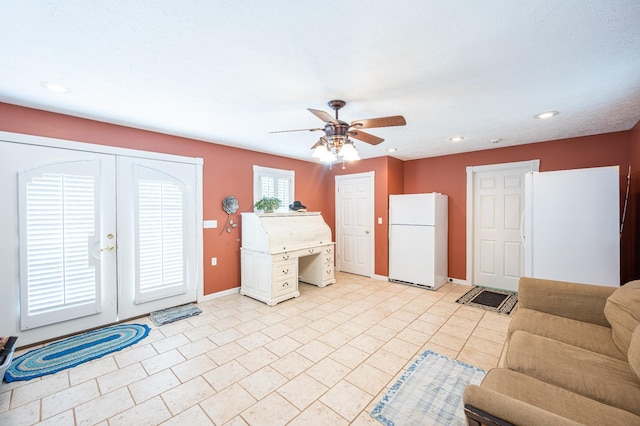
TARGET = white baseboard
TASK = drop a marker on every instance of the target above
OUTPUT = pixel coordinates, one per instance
(219, 294)
(457, 281)
(451, 280)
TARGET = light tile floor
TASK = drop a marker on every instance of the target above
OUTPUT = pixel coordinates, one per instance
(326, 357)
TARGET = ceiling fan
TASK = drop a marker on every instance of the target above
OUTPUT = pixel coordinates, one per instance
(336, 142)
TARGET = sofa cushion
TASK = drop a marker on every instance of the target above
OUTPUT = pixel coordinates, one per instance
(623, 313)
(634, 352)
(582, 302)
(599, 377)
(554, 399)
(585, 335)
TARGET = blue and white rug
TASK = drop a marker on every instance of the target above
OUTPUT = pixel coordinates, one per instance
(429, 392)
(75, 350)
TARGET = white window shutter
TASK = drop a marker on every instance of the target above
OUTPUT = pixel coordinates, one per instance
(59, 225)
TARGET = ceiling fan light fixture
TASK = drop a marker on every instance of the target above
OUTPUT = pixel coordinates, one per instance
(328, 157)
(348, 151)
(336, 143)
(320, 149)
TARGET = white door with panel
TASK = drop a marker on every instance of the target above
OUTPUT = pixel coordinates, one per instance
(157, 224)
(72, 242)
(354, 223)
(498, 251)
(58, 261)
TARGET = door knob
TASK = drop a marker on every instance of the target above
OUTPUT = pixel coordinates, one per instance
(366, 232)
(108, 248)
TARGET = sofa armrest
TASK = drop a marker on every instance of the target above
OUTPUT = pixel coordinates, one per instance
(582, 302)
(488, 407)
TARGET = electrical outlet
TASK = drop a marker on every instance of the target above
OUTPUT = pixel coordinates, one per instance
(214, 261)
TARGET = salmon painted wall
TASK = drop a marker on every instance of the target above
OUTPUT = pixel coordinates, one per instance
(447, 174)
(226, 171)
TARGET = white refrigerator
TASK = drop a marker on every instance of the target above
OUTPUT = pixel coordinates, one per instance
(418, 239)
(571, 225)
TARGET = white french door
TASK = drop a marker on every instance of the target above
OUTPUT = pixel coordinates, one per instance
(57, 210)
(91, 238)
(156, 235)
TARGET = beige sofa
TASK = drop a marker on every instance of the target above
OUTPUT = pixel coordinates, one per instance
(572, 357)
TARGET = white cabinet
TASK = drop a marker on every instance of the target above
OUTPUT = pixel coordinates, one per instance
(280, 249)
(268, 278)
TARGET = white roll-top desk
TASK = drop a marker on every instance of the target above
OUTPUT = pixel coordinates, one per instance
(278, 249)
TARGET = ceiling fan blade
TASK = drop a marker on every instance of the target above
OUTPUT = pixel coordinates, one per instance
(324, 116)
(295, 130)
(365, 137)
(396, 120)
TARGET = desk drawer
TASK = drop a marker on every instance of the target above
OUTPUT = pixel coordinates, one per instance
(285, 269)
(285, 285)
(283, 257)
(327, 271)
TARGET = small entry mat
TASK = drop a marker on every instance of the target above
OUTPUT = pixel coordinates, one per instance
(166, 316)
(500, 301)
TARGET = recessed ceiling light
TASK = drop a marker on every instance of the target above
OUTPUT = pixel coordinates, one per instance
(547, 114)
(55, 87)
(456, 138)
(392, 149)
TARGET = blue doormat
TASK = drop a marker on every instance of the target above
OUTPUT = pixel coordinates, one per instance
(75, 350)
(429, 392)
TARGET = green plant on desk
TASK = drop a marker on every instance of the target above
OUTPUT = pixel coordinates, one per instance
(268, 204)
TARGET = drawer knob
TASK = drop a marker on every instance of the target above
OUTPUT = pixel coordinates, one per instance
(285, 271)
(285, 257)
(285, 284)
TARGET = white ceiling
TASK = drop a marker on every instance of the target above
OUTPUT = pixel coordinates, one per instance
(231, 71)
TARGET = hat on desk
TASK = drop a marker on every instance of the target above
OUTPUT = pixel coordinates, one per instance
(297, 205)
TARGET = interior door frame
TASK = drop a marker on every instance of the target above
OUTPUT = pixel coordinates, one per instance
(472, 173)
(371, 176)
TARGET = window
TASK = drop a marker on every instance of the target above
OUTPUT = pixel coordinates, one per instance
(268, 182)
